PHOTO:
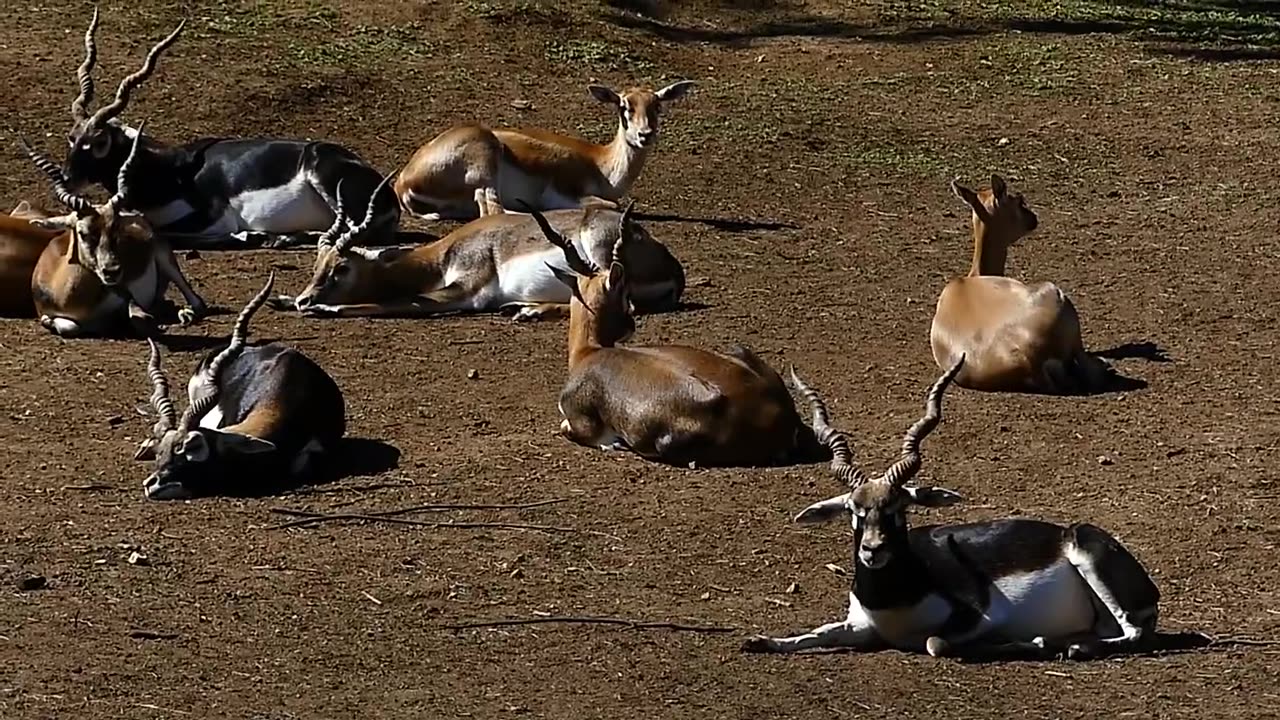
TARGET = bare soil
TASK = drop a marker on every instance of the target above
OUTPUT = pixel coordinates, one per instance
(804, 185)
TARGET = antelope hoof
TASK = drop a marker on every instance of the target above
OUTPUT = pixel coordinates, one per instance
(757, 644)
(188, 315)
(1081, 651)
(321, 311)
(937, 647)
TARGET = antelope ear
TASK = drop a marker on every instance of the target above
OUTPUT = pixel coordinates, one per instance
(61, 222)
(146, 450)
(825, 511)
(675, 90)
(565, 277)
(617, 276)
(971, 199)
(934, 497)
(998, 187)
(604, 94)
(229, 442)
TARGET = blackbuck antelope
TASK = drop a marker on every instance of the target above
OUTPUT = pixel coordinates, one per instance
(472, 170)
(1017, 337)
(255, 416)
(1003, 588)
(217, 192)
(104, 271)
(499, 262)
(672, 404)
(22, 242)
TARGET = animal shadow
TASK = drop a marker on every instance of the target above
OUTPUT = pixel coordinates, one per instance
(352, 457)
(1157, 644)
(725, 224)
(1148, 351)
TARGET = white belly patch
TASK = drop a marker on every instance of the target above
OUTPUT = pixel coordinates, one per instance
(1054, 602)
(289, 208)
(907, 628)
(526, 278)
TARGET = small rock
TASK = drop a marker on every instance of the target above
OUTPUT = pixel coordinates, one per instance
(522, 105)
(705, 596)
(1003, 142)
(33, 582)
(517, 573)
(1104, 460)
(137, 558)
(473, 374)
(793, 588)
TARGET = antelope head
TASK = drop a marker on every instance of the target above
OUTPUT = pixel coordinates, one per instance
(639, 108)
(877, 506)
(99, 230)
(602, 293)
(186, 456)
(998, 209)
(343, 268)
(98, 142)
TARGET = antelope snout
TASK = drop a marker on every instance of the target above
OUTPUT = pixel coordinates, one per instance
(646, 137)
(111, 274)
(304, 301)
(156, 488)
(873, 558)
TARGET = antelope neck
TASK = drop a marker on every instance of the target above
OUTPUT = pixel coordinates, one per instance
(990, 250)
(623, 161)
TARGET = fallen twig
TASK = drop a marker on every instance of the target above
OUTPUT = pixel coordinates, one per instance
(436, 507)
(152, 635)
(94, 486)
(1250, 642)
(630, 624)
(316, 518)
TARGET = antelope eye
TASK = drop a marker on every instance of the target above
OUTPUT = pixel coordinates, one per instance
(100, 145)
(341, 270)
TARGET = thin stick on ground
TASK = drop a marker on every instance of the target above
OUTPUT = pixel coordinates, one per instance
(630, 624)
(316, 518)
(437, 507)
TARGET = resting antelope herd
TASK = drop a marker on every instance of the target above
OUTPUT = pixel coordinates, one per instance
(549, 233)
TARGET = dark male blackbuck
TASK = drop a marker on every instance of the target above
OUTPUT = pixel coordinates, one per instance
(472, 170)
(670, 403)
(1016, 337)
(1002, 588)
(104, 272)
(256, 417)
(496, 263)
(219, 192)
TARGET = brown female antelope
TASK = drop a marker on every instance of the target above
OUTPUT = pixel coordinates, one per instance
(497, 262)
(105, 265)
(22, 242)
(472, 169)
(218, 192)
(1001, 588)
(1016, 337)
(671, 404)
(254, 417)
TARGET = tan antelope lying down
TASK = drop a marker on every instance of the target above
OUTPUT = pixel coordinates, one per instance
(21, 245)
(471, 170)
(104, 271)
(671, 404)
(1017, 337)
(493, 263)
(1002, 588)
(256, 417)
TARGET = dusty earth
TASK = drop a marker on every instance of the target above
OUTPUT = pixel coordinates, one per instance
(804, 185)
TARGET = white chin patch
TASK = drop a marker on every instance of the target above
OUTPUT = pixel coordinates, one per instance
(156, 490)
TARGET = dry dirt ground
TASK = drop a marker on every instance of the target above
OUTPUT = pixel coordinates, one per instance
(804, 185)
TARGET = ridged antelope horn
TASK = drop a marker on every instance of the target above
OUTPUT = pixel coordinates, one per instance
(78, 203)
(339, 218)
(84, 73)
(122, 186)
(207, 388)
(131, 82)
(576, 263)
(160, 399)
(907, 467)
(841, 455)
(344, 242)
(615, 255)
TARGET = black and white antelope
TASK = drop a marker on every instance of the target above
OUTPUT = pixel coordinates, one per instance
(256, 417)
(105, 272)
(219, 192)
(495, 263)
(1012, 587)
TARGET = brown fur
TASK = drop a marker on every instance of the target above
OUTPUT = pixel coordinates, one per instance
(1015, 337)
(671, 404)
(21, 246)
(460, 172)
